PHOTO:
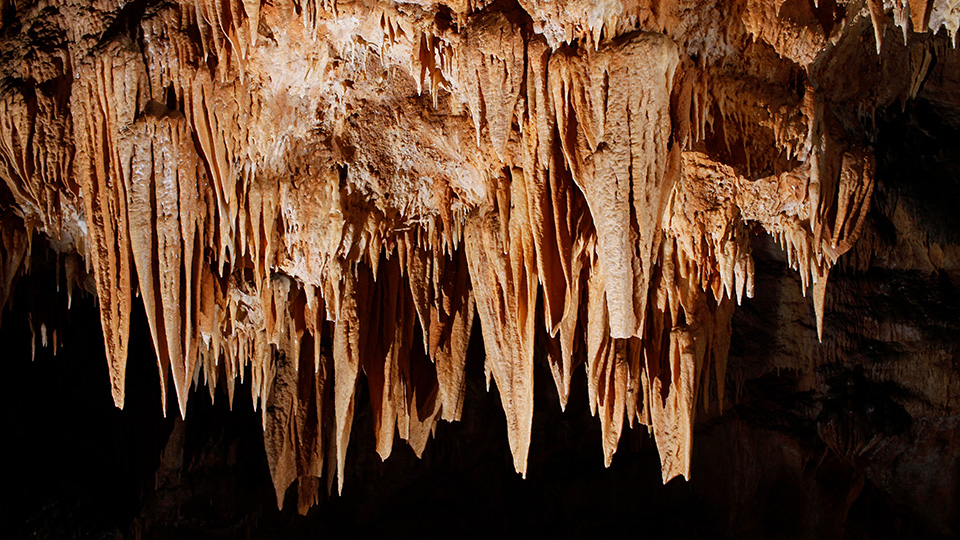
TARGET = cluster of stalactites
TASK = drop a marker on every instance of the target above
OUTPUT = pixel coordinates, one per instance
(600, 232)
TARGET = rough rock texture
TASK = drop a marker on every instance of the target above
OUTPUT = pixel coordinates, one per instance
(313, 196)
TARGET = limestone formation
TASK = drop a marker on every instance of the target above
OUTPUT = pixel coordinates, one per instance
(302, 192)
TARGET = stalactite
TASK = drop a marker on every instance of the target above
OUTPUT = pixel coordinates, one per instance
(614, 135)
(346, 357)
(13, 249)
(499, 248)
(108, 99)
(444, 303)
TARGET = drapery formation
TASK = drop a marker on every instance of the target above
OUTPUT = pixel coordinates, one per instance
(301, 192)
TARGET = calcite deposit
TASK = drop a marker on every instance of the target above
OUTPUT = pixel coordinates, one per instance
(316, 195)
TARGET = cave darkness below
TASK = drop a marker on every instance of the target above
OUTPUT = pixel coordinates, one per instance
(78, 467)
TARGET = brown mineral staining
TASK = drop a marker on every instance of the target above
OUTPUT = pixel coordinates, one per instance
(290, 208)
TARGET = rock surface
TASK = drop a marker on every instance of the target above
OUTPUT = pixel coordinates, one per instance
(313, 197)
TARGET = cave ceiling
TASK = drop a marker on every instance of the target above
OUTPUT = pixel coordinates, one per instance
(315, 195)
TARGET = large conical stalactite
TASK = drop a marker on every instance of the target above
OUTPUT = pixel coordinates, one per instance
(503, 274)
(108, 100)
(613, 117)
(270, 180)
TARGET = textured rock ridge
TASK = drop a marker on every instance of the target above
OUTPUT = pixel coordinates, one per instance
(301, 192)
